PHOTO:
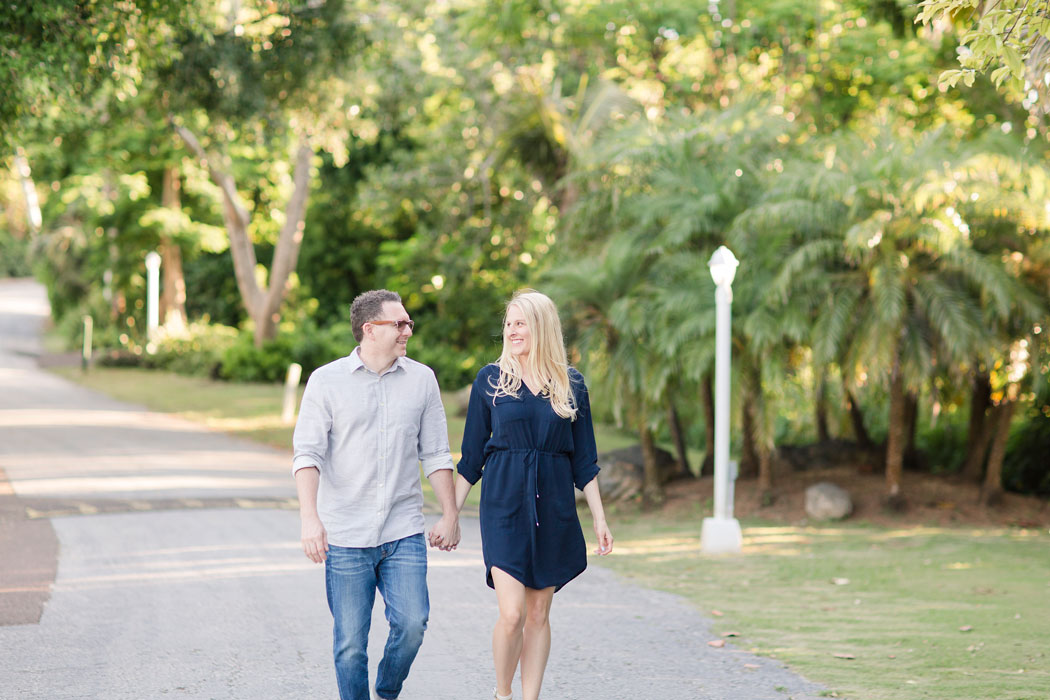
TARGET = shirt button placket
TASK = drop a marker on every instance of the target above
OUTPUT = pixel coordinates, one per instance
(384, 437)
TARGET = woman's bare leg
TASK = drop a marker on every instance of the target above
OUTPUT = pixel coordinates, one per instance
(507, 635)
(536, 645)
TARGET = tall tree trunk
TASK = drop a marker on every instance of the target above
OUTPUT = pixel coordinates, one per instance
(979, 434)
(652, 489)
(34, 219)
(1002, 415)
(173, 284)
(566, 197)
(821, 401)
(911, 423)
(856, 416)
(765, 474)
(748, 466)
(262, 304)
(762, 434)
(682, 469)
(118, 303)
(896, 437)
(707, 403)
(973, 470)
(286, 252)
(756, 445)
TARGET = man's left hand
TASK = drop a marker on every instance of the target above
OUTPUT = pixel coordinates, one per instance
(445, 534)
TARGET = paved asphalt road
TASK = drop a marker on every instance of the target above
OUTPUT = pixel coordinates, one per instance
(143, 557)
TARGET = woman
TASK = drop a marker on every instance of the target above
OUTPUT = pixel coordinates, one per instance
(529, 429)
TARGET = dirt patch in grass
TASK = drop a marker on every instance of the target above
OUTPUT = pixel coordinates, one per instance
(929, 500)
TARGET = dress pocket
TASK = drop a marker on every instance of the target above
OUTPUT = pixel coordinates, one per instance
(510, 420)
(561, 492)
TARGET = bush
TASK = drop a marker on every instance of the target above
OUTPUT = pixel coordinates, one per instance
(198, 351)
(223, 352)
(106, 334)
(243, 362)
(943, 448)
(454, 369)
(1026, 468)
(314, 347)
(308, 345)
(14, 256)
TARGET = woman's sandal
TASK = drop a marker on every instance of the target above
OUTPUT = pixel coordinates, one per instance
(497, 696)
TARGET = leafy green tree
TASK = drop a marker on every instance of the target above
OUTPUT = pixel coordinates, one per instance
(257, 82)
(1003, 37)
(56, 51)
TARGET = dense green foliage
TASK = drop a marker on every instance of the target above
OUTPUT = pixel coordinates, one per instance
(893, 233)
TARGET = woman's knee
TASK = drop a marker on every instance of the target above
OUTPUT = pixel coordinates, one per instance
(538, 609)
(537, 616)
(511, 618)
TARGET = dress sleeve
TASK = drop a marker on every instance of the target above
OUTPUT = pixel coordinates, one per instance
(477, 430)
(584, 450)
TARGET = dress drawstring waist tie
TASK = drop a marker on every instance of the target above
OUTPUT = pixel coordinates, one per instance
(532, 477)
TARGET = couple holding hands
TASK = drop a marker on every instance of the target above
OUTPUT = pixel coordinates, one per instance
(366, 423)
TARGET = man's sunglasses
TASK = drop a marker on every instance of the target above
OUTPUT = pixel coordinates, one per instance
(399, 325)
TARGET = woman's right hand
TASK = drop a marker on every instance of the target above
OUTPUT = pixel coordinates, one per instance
(605, 538)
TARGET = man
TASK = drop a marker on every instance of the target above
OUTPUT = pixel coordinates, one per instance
(365, 424)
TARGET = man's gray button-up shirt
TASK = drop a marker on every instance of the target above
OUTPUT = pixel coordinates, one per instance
(367, 434)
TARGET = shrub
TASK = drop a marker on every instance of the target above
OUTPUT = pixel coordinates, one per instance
(1026, 467)
(14, 255)
(314, 346)
(243, 362)
(455, 369)
(197, 351)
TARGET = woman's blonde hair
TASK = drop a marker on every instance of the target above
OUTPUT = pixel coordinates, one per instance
(546, 362)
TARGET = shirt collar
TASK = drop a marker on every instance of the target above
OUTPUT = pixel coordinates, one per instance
(357, 363)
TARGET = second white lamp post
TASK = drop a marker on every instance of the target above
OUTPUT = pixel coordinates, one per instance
(721, 533)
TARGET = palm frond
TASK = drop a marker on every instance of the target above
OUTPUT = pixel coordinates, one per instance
(831, 330)
(888, 294)
(951, 314)
(806, 258)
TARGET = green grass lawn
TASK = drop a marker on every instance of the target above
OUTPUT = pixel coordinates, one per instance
(872, 613)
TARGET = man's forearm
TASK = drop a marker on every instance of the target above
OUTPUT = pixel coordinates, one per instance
(441, 482)
(306, 482)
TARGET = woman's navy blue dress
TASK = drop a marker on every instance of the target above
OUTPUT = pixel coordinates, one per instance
(531, 459)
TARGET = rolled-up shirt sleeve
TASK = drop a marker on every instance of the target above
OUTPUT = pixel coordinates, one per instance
(477, 430)
(584, 449)
(310, 439)
(434, 452)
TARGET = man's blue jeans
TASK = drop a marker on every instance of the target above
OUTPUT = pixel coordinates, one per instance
(398, 570)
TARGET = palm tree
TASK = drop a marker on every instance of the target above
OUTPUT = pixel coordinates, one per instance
(597, 293)
(545, 130)
(659, 200)
(902, 284)
(1003, 202)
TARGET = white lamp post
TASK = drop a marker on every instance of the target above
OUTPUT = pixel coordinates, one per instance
(152, 293)
(722, 532)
